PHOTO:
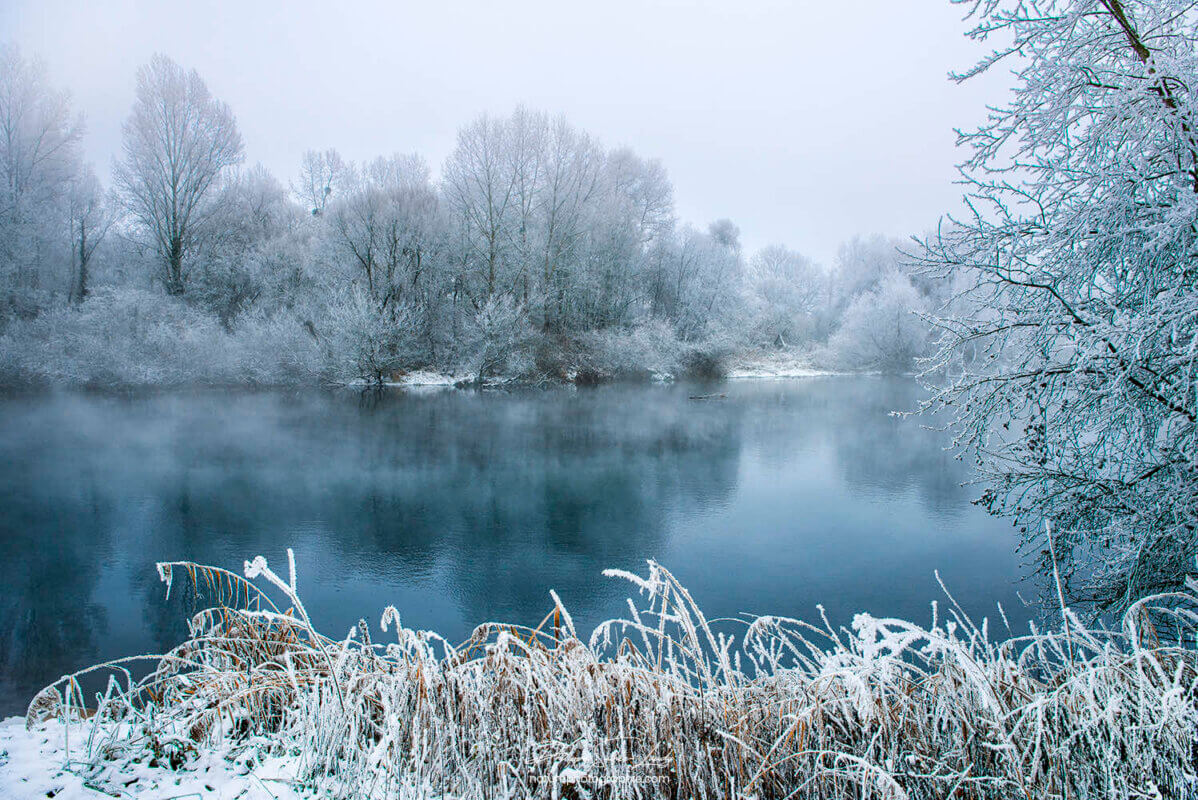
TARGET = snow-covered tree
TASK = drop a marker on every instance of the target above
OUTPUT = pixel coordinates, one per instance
(360, 343)
(862, 262)
(251, 222)
(788, 297)
(388, 228)
(89, 216)
(323, 175)
(177, 142)
(494, 334)
(1081, 244)
(882, 328)
(39, 161)
(481, 192)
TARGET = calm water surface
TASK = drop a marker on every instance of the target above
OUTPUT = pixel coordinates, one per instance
(461, 507)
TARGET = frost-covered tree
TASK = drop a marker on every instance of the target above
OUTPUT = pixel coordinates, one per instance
(481, 192)
(89, 216)
(882, 328)
(494, 334)
(39, 161)
(543, 215)
(323, 175)
(387, 231)
(1079, 395)
(248, 255)
(177, 142)
(696, 278)
(360, 343)
(862, 262)
(643, 190)
(630, 214)
(571, 186)
(788, 297)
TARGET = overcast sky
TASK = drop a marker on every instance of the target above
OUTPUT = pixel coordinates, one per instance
(804, 122)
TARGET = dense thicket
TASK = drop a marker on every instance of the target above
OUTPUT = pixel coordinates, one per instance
(536, 253)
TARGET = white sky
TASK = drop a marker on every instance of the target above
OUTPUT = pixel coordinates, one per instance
(804, 122)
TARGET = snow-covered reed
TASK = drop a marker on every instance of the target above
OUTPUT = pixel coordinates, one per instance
(664, 703)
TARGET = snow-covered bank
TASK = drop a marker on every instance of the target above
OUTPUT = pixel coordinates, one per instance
(776, 365)
(424, 378)
(37, 763)
(756, 372)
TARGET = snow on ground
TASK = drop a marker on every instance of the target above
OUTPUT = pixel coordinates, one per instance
(783, 365)
(425, 378)
(38, 764)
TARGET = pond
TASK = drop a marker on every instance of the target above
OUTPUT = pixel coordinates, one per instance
(460, 507)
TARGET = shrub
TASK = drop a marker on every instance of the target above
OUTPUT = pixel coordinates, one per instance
(133, 337)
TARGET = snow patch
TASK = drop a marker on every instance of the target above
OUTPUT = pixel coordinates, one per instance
(425, 378)
(762, 373)
(38, 763)
(781, 365)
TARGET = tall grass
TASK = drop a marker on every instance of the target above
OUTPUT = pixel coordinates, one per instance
(664, 703)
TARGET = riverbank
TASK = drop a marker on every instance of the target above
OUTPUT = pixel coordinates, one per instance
(44, 761)
(780, 365)
(666, 701)
(135, 339)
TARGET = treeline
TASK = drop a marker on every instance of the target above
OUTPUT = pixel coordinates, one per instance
(537, 254)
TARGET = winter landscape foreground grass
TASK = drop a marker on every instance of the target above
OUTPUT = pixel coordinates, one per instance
(663, 703)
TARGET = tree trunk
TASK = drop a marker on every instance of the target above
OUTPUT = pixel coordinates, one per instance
(79, 290)
(174, 268)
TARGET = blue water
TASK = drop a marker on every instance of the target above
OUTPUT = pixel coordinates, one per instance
(461, 507)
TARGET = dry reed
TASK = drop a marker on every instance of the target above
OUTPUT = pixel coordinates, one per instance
(664, 703)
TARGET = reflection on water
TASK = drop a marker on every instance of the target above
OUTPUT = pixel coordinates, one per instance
(461, 507)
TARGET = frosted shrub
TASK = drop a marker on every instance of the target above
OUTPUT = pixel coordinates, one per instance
(662, 703)
(709, 356)
(645, 350)
(277, 348)
(134, 337)
(882, 328)
(497, 339)
(360, 342)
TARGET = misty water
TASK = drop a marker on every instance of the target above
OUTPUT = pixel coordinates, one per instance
(461, 507)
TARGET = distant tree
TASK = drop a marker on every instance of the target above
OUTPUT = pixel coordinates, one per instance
(89, 218)
(495, 333)
(862, 262)
(725, 233)
(323, 175)
(643, 189)
(1077, 397)
(524, 192)
(481, 191)
(177, 142)
(247, 245)
(881, 329)
(571, 186)
(362, 344)
(39, 160)
(387, 227)
(788, 297)
(695, 280)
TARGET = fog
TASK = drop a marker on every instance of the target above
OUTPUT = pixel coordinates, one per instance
(805, 122)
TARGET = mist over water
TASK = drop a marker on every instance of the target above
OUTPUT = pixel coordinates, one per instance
(462, 507)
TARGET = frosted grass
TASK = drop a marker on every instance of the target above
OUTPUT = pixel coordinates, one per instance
(662, 703)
